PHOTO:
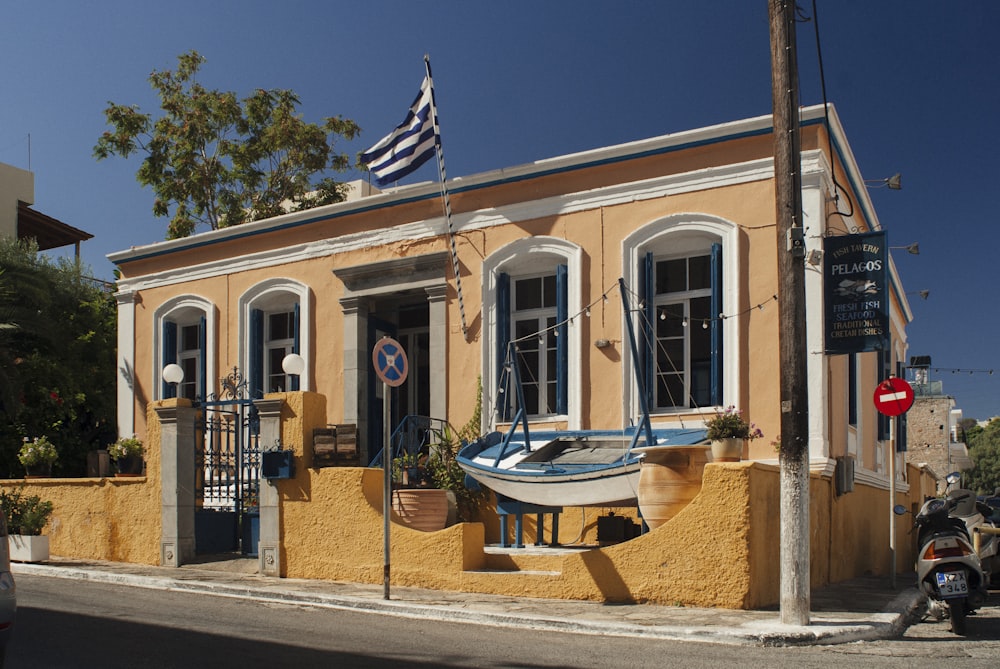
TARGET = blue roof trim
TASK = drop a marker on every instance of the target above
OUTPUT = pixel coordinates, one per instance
(462, 189)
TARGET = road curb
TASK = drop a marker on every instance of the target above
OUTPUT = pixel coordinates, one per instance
(825, 630)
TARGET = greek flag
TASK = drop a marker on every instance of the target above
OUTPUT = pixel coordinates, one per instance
(410, 145)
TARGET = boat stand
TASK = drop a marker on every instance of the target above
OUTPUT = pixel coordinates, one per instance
(507, 507)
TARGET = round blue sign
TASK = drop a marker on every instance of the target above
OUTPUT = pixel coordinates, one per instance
(390, 362)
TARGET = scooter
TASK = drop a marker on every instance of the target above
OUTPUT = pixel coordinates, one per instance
(974, 513)
(948, 569)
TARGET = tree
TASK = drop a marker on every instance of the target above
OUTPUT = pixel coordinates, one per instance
(984, 448)
(218, 161)
(57, 358)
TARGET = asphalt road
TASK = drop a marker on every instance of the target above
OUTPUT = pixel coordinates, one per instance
(67, 623)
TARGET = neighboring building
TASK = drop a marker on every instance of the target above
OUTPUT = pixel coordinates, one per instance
(687, 220)
(934, 436)
(17, 194)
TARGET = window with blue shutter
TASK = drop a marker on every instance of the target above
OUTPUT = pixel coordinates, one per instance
(255, 359)
(169, 355)
(681, 329)
(532, 312)
(202, 359)
(293, 381)
(504, 389)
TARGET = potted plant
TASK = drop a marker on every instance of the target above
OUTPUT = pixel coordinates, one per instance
(727, 431)
(37, 455)
(26, 516)
(419, 503)
(127, 455)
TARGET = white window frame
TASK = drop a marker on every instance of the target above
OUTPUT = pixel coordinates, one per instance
(520, 258)
(270, 296)
(184, 310)
(685, 235)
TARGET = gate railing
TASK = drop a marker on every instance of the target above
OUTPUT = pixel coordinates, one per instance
(227, 468)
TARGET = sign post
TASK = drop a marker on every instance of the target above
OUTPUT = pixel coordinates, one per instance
(893, 397)
(391, 367)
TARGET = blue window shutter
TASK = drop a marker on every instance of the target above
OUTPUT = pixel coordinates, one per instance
(647, 345)
(716, 332)
(169, 355)
(562, 341)
(293, 383)
(202, 359)
(256, 357)
(901, 419)
(503, 342)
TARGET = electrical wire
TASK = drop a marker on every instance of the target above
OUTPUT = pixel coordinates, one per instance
(829, 131)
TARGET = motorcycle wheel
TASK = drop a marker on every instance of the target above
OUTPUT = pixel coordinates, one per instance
(956, 610)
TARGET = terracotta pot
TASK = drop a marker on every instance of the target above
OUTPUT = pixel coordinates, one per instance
(727, 450)
(669, 479)
(424, 509)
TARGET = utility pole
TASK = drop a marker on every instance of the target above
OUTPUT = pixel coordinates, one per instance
(794, 451)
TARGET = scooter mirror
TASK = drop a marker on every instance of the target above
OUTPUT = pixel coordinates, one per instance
(900, 510)
(953, 478)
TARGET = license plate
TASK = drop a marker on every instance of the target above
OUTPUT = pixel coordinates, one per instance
(952, 584)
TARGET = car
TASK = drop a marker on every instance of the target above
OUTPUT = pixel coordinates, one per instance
(8, 590)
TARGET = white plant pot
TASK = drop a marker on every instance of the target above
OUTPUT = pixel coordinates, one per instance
(25, 548)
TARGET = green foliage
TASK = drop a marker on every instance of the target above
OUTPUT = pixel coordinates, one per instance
(26, 515)
(37, 451)
(437, 467)
(445, 471)
(57, 358)
(125, 447)
(219, 161)
(730, 424)
(984, 448)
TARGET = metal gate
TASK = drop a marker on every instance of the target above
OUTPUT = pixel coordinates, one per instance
(227, 472)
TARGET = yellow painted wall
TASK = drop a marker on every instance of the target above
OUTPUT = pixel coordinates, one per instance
(114, 519)
(719, 551)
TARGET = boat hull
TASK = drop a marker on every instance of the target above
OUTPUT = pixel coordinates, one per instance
(593, 468)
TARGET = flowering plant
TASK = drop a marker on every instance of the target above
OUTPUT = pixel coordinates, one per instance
(39, 451)
(730, 424)
(125, 447)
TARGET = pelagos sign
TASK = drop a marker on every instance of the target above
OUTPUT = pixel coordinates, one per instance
(856, 305)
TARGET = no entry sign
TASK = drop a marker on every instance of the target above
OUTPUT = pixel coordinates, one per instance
(893, 397)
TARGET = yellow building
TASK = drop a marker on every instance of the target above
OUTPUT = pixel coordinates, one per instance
(686, 220)
(325, 283)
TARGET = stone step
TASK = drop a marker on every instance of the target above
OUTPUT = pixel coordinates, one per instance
(530, 559)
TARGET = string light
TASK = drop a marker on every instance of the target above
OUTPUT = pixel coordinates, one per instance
(664, 314)
(569, 320)
(962, 371)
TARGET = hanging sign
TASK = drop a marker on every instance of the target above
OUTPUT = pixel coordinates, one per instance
(856, 296)
(893, 397)
(390, 362)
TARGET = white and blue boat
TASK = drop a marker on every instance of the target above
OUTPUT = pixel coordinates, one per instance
(568, 468)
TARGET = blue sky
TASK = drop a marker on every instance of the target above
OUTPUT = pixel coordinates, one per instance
(916, 83)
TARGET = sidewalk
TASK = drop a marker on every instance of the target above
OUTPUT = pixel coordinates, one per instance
(858, 610)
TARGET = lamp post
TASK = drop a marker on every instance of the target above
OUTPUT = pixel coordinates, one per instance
(173, 374)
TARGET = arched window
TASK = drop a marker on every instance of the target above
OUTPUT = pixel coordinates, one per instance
(684, 272)
(275, 322)
(185, 327)
(529, 293)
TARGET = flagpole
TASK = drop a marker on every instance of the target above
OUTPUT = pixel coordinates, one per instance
(447, 199)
